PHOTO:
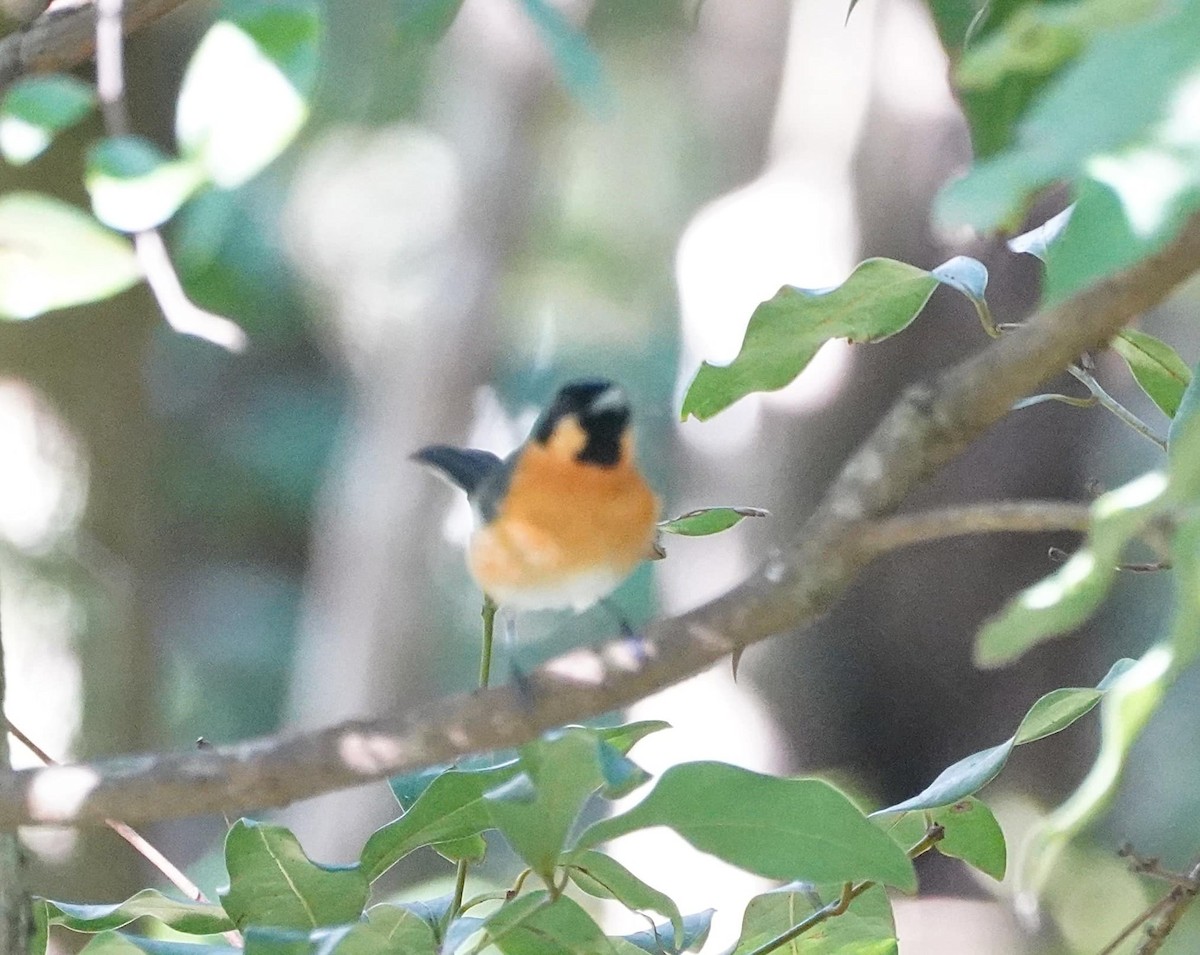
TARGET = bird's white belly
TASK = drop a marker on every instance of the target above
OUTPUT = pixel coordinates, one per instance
(578, 591)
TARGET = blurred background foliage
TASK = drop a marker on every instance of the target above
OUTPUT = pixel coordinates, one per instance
(488, 198)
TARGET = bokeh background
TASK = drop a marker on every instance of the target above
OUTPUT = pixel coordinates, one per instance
(199, 543)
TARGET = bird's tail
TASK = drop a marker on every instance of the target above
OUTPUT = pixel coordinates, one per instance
(464, 467)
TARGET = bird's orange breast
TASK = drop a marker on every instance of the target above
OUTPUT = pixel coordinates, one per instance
(566, 532)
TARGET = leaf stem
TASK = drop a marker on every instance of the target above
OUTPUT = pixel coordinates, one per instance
(1109, 402)
(488, 614)
(850, 892)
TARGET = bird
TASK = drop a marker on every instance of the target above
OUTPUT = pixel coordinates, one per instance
(567, 516)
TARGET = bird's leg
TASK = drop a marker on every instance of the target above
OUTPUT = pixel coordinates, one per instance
(519, 678)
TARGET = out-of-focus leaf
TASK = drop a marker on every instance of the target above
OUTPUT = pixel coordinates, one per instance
(273, 883)
(426, 20)
(1018, 50)
(1055, 711)
(36, 109)
(1156, 367)
(1113, 127)
(604, 877)
(580, 67)
(1037, 241)
(880, 298)
(121, 943)
(709, 520)
(245, 93)
(536, 925)
(134, 185)
(778, 828)
(1053, 396)
(191, 918)
(53, 255)
(1065, 599)
(1186, 420)
(865, 928)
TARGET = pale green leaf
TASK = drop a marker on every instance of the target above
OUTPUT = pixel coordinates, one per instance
(36, 108)
(53, 255)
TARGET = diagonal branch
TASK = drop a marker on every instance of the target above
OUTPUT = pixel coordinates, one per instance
(928, 425)
(65, 36)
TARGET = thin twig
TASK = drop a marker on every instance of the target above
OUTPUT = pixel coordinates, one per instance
(1178, 901)
(991, 517)
(1110, 403)
(1135, 923)
(149, 852)
(180, 312)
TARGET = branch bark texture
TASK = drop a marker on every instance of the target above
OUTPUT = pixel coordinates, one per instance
(930, 424)
(65, 36)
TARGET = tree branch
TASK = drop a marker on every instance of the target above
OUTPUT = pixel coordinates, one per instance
(65, 36)
(929, 425)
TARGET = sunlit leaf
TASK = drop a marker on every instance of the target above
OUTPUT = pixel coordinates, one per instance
(865, 928)
(1156, 367)
(272, 882)
(966, 275)
(1037, 241)
(778, 828)
(122, 943)
(1053, 712)
(245, 93)
(36, 108)
(134, 185)
(1065, 599)
(880, 298)
(53, 255)
(709, 520)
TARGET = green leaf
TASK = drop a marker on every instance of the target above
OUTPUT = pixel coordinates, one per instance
(134, 185)
(964, 274)
(426, 20)
(664, 938)
(191, 918)
(119, 943)
(604, 877)
(537, 809)
(402, 929)
(1111, 126)
(36, 109)
(1132, 697)
(974, 836)
(880, 298)
(445, 807)
(865, 927)
(1053, 712)
(1186, 420)
(1022, 48)
(709, 520)
(272, 882)
(53, 255)
(245, 92)
(778, 828)
(450, 808)
(1037, 241)
(581, 70)
(387, 937)
(1156, 367)
(536, 925)
(1065, 599)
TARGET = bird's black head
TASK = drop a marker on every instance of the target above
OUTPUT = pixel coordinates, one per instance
(601, 411)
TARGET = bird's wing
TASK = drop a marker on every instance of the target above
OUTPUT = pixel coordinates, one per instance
(466, 468)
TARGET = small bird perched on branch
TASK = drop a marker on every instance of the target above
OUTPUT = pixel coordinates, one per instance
(567, 516)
